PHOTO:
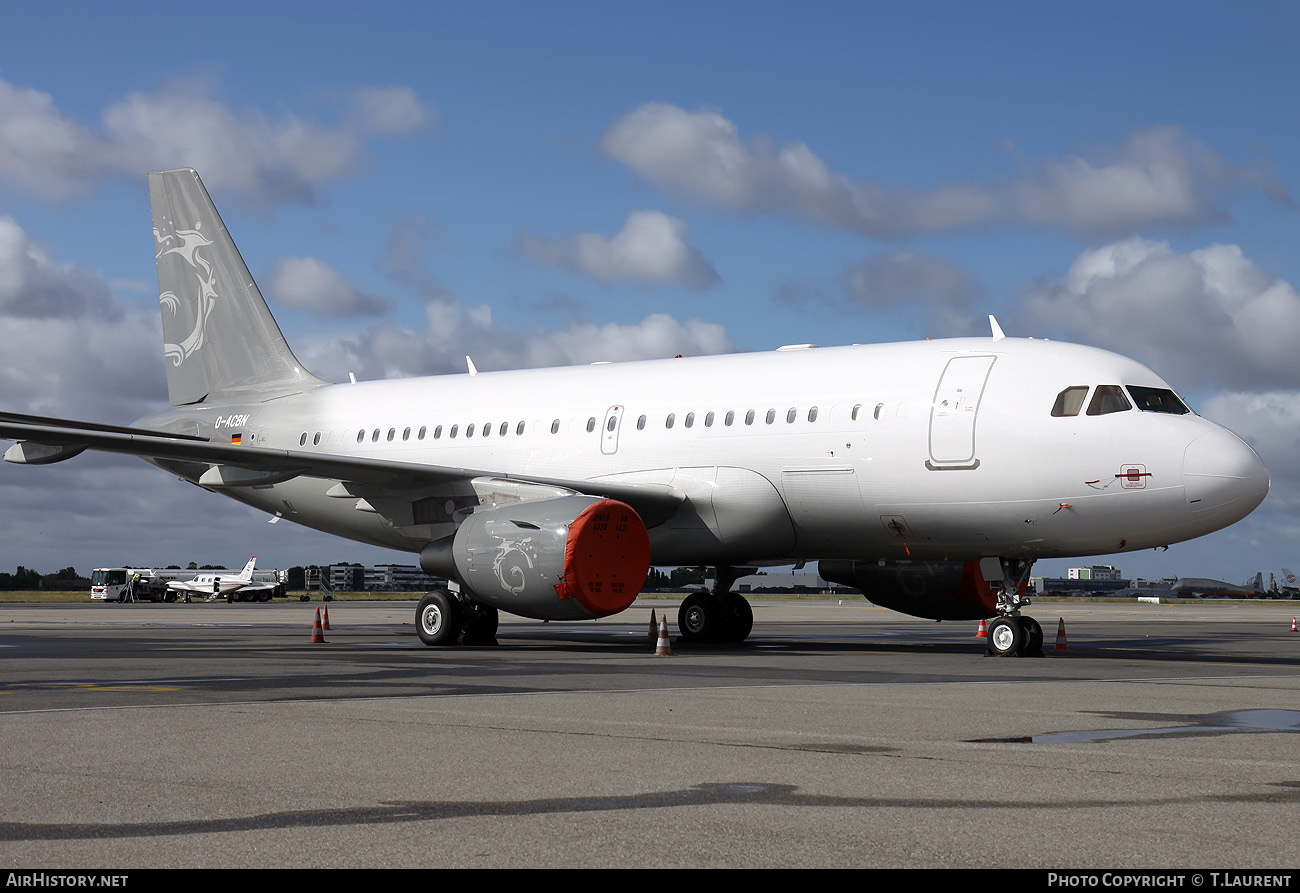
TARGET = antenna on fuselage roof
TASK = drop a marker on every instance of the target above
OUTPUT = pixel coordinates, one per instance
(997, 329)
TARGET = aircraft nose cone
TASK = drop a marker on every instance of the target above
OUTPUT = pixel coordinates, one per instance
(1223, 477)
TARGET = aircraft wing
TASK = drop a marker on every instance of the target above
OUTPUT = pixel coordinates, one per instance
(231, 465)
(189, 586)
(256, 587)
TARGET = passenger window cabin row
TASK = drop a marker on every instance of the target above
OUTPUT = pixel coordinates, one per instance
(729, 419)
(374, 435)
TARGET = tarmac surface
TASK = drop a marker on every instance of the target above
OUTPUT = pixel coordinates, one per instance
(839, 734)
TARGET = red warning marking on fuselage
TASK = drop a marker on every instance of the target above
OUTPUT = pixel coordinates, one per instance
(897, 525)
(1132, 476)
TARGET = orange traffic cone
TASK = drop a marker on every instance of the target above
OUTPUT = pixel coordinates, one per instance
(663, 647)
(1293, 629)
(316, 634)
(1060, 636)
(654, 627)
(325, 620)
(983, 631)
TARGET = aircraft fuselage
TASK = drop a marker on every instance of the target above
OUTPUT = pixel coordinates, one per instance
(936, 450)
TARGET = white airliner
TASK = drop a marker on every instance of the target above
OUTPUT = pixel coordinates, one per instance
(1200, 586)
(931, 474)
(219, 586)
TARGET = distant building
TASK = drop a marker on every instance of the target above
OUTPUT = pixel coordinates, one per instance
(379, 578)
(1075, 586)
(786, 582)
(345, 577)
(1083, 586)
(400, 578)
(1096, 572)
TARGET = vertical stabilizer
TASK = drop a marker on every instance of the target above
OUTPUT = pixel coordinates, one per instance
(219, 338)
(247, 573)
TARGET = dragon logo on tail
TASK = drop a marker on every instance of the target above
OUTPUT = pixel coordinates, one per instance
(187, 243)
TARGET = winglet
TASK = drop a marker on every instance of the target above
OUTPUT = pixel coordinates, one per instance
(470, 364)
(997, 329)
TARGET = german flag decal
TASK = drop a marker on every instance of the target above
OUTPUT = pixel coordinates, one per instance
(236, 439)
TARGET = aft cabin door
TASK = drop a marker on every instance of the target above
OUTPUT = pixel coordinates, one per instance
(953, 413)
(609, 430)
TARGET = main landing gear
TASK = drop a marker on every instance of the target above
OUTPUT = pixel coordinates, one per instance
(1012, 634)
(1015, 637)
(446, 618)
(717, 616)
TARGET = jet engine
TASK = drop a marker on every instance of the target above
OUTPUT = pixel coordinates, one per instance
(570, 558)
(935, 590)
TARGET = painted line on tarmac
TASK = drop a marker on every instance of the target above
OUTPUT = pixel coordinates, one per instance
(548, 692)
(78, 683)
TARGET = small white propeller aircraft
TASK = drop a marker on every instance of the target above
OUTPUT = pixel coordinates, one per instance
(217, 586)
(930, 474)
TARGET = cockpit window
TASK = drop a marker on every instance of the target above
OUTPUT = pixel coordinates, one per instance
(1157, 400)
(1069, 401)
(1108, 398)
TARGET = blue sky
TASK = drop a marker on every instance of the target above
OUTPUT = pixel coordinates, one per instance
(537, 183)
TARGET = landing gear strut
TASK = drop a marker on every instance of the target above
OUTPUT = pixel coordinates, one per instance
(1012, 634)
(717, 616)
(444, 618)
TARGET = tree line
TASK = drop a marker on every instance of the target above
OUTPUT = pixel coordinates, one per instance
(26, 579)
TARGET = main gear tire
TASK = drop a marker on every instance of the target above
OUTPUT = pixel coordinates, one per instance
(1006, 637)
(698, 617)
(437, 620)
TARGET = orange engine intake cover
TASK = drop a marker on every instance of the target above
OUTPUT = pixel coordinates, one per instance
(606, 558)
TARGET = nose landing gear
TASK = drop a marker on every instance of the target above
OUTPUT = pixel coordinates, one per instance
(1012, 634)
(1018, 636)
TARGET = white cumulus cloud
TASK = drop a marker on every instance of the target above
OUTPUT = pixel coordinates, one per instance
(454, 330)
(310, 284)
(650, 249)
(1159, 176)
(1268, 420)
(33, 284)
(266, 158)
(71, 348)
(391, 111)
(1177, 310)
(941, 292)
